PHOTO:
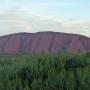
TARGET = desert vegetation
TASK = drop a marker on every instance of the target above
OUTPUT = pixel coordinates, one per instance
(62, 71)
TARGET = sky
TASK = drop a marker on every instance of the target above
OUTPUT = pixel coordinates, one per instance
(73, 14)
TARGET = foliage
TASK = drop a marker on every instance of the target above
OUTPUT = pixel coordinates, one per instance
(61, 71)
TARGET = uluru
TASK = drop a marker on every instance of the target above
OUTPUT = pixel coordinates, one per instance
(43, 42)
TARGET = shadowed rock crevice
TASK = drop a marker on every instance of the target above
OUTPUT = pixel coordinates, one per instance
(39, 38)
(24, 43)
(52, 42)
(2, 49)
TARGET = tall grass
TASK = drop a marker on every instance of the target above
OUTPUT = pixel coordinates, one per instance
(45, 72)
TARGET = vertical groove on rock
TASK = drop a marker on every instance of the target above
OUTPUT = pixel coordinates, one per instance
(20, 49)
(30, 44)
(5, 44)
(37, 43)
(52, 42)
(85, 44)
(66, 43)
(24, 43)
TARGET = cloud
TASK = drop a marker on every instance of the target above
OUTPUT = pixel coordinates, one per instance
(77, 26)
(20, 20)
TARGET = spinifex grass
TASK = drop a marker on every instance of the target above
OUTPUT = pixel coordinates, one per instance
(45, 72)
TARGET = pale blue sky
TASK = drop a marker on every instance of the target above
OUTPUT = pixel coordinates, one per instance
(59, 8)
(70, 16)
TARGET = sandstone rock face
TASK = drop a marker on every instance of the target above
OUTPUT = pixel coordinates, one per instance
(43, 42)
